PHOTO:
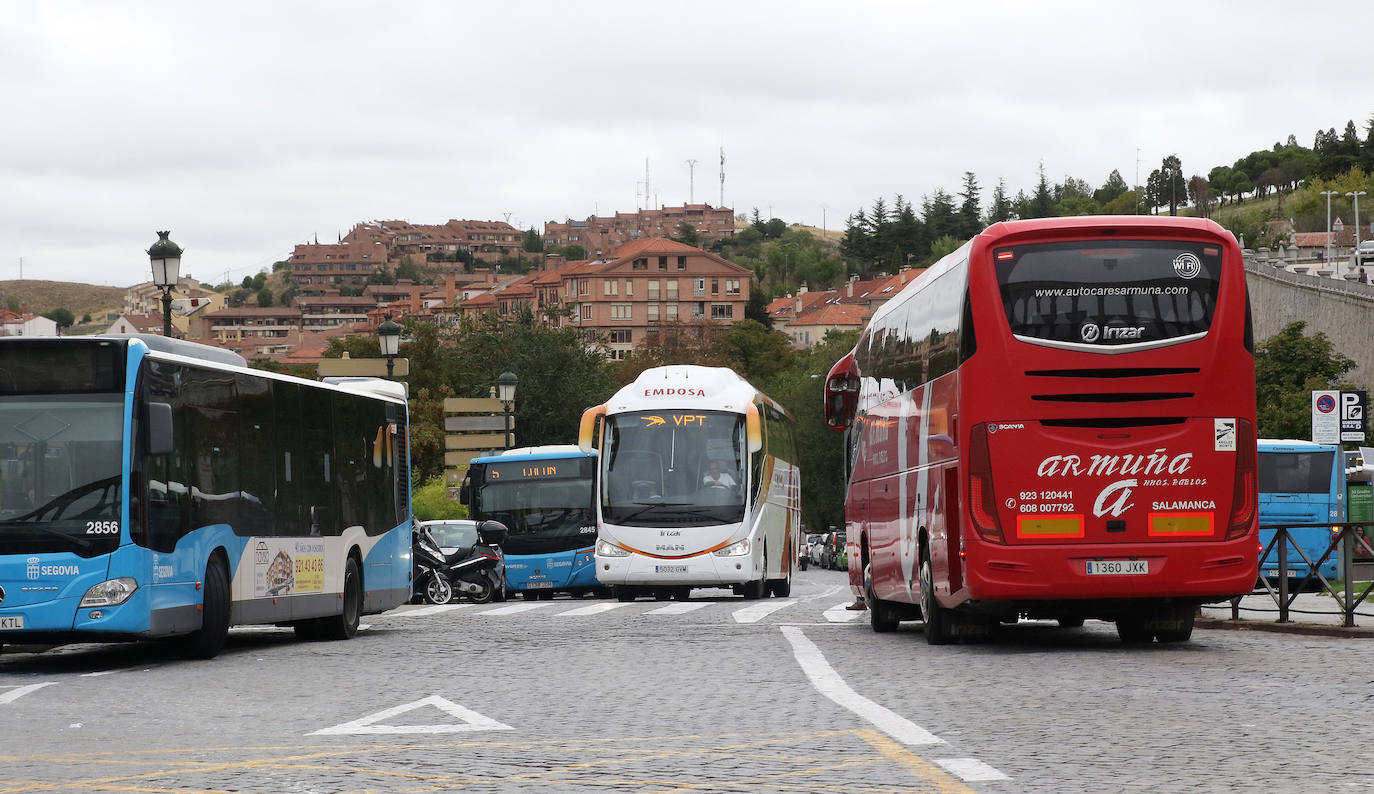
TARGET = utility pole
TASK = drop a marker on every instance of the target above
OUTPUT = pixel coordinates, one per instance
(722, 176)
(691, 181)
(1328, 194)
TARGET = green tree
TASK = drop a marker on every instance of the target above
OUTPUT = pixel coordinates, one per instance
(532, 242)
(1289, 366)
(687, 234)
(1000, 209)
(265, 297)
(969, 218)
(63, 317)
(431, 503)
(756, 352)
(799, 389)
(1113, 187)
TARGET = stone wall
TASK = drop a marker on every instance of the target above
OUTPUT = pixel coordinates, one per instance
(1341, 309)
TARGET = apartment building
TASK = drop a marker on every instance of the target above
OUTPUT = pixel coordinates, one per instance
(630, 294)
(809, 315)
(487, 241)
(316, 266)
(251, 323)
(597, 234)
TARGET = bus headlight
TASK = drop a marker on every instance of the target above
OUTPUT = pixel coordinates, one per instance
(737, 549)
(109, 593)
(607, 549)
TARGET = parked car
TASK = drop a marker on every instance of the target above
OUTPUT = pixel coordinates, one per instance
(804, 550)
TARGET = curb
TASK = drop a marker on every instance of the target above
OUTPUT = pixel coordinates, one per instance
(1310, 629)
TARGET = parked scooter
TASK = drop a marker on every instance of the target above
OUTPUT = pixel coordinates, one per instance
(475, 572)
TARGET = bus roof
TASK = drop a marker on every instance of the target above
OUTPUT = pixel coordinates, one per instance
(545, 452)
(686, 386)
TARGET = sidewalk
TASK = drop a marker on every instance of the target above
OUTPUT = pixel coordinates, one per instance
(1310, 613)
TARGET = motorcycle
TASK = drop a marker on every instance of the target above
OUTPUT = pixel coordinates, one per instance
(475, 572)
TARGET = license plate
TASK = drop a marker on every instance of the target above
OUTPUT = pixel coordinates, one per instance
(1117, 567)
(537, 585)
(10, 622)
(670, 569)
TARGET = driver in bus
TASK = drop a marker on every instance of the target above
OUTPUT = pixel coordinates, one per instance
(716, 478)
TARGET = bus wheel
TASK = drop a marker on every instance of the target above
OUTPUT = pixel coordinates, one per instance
(1134, 628)
(936, 617)
(625, 594)
(682, 593)
(1175, 624)
(529, 595)
(881, 616)
(753, 591)
(344, 625)
(207, 641)
(782, 588)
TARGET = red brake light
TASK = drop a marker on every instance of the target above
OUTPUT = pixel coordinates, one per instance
(982, 500)
(1244, 496)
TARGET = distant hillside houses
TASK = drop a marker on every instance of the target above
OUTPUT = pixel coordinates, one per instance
(14, 323)
(599, 234)
(808, 316)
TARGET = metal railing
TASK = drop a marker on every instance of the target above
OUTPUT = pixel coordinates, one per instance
(1346, 538)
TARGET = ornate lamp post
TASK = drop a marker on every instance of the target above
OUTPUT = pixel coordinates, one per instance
(505, 388)
(389, 340)
(166, 258)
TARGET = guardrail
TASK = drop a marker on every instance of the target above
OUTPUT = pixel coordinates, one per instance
(1347, 538)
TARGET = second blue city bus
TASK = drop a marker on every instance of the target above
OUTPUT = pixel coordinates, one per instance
(1299, 483)
(546, 498)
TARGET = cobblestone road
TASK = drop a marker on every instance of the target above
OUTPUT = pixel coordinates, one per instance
(715, 694)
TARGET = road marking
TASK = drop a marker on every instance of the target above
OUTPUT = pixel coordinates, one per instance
(841, 613)
(98, 673)
(515, 608)
(433, 609)
(17, 692)
(680, 608)
(469, 720)
(755, 613)
(970, 769)
(592, 609)
(828, 682)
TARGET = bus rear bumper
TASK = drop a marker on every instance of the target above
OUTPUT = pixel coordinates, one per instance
(1195, 571)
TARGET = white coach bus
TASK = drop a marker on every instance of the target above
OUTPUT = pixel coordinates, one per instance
(699, 486)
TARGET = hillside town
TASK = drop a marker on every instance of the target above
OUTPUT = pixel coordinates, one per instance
(635, 280)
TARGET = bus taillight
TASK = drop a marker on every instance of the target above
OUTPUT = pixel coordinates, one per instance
(982, 500)
(1244, 496)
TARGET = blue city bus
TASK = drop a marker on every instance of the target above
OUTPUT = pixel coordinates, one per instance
(156, 488)
(1299, 483)
(546, 498)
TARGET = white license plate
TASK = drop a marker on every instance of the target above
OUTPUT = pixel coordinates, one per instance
(11, 622)
(1118, 567)
(670, 569)
(537, 585)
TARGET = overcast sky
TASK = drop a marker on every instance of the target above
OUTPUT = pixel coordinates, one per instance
(246, 128)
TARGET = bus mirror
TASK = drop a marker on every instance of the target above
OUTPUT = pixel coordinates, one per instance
(835, 416)
(586, 432)
(159, 429)
(465, 493)
(753, 428)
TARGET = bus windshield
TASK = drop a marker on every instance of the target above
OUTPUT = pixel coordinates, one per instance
(546, 503)
(60, 483)
(674, 468)
(1108, 294)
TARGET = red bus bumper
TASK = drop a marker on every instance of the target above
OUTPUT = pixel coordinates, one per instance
(1204, 571)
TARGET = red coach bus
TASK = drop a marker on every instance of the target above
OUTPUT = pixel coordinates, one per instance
(1056, 421)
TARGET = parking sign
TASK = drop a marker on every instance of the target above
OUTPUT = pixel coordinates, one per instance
(1352, 415)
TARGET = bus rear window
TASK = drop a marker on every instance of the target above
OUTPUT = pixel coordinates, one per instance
(1108, 294)
(1296, 472)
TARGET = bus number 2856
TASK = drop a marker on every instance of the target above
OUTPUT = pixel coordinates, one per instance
(102, 527)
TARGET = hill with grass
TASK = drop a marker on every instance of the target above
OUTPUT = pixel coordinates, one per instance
(39, 297)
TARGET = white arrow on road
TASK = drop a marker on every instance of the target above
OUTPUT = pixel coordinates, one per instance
(20, 691)
(469, 720)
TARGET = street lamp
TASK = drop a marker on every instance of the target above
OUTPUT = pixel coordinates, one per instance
(1328, 194)
(1356, 195)
(505, 388)
(389, 340)
(166, 258)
